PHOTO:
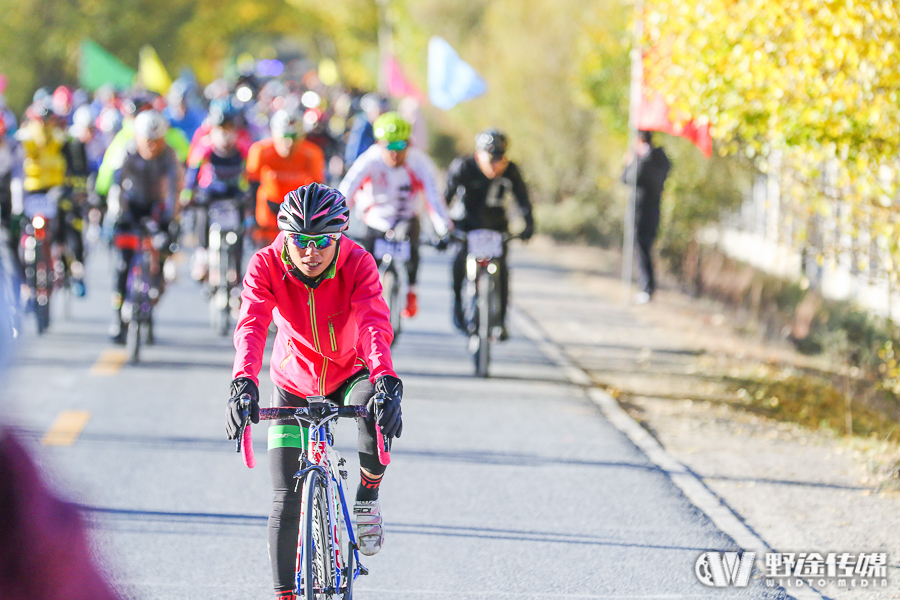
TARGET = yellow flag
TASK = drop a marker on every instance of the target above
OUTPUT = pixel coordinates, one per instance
(151, 71)
(328, 72)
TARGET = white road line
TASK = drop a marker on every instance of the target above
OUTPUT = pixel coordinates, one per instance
(681, 476)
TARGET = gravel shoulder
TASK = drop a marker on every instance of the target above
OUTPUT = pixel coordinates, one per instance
(799, 490)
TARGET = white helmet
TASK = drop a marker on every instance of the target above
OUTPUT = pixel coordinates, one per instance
(82, 121)
(283, 122)
(150, 125)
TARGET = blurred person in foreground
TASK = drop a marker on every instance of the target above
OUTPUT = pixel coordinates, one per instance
(44, 548)
(653, 167)
(477, 187)
(279, 165)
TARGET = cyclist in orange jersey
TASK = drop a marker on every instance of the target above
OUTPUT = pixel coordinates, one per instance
(280, 165)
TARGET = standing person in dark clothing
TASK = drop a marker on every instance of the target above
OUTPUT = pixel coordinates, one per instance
(652, 169)
(476, 188)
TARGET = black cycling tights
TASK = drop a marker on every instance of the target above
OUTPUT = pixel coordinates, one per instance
(284, 520)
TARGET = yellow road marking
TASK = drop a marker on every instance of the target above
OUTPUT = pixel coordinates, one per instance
(109, 363)
(66, 429)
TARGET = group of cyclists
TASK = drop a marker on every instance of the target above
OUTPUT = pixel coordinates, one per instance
(158, 159)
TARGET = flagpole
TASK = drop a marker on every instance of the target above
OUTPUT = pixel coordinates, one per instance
(637, 76)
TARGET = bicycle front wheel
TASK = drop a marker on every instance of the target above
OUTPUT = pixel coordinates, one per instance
(315, 562)
(133, 342)
(483, 356)
(391, 289)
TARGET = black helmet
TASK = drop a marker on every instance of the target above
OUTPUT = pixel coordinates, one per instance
(313, 209)
(492, 141)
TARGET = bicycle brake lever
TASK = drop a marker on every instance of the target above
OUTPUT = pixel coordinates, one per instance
(245, 419)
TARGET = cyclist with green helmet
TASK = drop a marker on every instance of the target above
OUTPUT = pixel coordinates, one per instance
(384, 183)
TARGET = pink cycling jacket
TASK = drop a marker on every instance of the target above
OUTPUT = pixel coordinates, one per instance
(326, 334)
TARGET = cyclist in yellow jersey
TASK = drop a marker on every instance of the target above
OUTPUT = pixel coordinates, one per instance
(42, 141)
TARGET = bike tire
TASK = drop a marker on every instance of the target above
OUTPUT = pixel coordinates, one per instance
(315, 562)
(42, 315)
(133, 342)
(483, 355)
(223, 301)
(390, 286)
(42, 287)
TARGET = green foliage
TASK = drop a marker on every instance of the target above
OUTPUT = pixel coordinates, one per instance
(698, 193)
(39, 38)
(814, 403)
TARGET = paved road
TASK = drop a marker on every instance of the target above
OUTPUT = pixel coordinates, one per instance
(513, 487)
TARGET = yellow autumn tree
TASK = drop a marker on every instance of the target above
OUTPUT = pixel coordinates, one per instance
(812, 83)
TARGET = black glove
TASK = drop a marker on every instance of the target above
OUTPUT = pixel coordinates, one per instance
(443, 243)
(385, 405)
(527, 232)
(234, 418)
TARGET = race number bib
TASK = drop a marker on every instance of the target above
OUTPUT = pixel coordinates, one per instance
(224, 214)
(485, 243)
(39, 204)
(397, 250)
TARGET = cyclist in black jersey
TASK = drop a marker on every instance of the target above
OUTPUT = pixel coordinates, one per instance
(477, 186)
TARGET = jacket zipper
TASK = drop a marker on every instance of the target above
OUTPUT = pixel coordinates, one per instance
(312, 317)
(331, 336)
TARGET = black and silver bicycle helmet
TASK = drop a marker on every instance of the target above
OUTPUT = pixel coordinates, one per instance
(313, 209)
(492, 141)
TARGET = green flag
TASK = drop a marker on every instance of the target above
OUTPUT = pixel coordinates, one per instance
(97, 67)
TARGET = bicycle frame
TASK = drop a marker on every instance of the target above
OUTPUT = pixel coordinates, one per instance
(225, 236)
(38, 264)
(389, 267)
(322, 458)
(482, 306)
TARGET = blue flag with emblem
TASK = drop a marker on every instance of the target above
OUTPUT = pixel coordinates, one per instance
(451, 80)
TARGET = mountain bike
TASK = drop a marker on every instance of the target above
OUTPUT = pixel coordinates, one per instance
(226, 241)
(391, 253)
(38, 262)
(143, 287)
(327, 553)
(481, 293)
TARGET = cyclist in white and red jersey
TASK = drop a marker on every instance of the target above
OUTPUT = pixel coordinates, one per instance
(384, 183)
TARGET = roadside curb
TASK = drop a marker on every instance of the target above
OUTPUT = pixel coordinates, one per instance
(722, 516)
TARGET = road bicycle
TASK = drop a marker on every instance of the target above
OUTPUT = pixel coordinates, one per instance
(38, 250)
(481, 293)
(226, 240)
(143, 287)
(327, 552)
(392, 252)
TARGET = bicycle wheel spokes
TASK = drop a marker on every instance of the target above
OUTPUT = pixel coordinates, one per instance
(316, 566)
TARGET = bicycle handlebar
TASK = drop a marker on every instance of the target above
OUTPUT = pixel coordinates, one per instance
(316, 413)
(306, 414)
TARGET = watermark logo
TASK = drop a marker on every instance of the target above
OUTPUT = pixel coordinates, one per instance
(723, 569)
(842, 569)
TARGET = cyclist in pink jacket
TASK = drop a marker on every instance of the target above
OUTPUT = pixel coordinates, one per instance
(334, 340)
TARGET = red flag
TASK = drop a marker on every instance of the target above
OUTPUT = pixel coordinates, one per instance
(655, 115)
(398, 85)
